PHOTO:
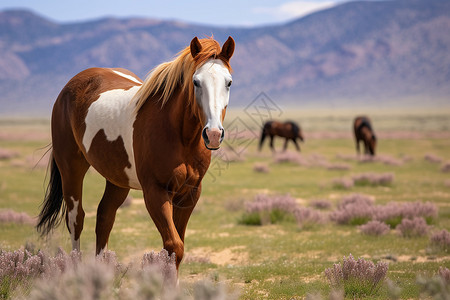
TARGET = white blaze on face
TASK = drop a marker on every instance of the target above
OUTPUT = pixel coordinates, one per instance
(212, 90)
(72, 222)
(114, 113)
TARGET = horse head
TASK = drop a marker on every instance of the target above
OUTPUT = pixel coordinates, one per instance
(212, 81)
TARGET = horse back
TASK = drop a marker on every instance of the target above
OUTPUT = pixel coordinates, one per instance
(93, 112)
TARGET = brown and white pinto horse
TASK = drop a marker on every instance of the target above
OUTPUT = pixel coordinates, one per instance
(363, 132)
(154, 136)
(289, 130)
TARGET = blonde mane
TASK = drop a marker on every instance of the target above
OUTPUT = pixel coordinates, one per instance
(165, 78)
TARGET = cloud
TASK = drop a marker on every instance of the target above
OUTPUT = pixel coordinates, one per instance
(294, 9)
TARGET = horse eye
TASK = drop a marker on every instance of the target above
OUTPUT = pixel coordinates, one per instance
(229, 83)
(196, 83)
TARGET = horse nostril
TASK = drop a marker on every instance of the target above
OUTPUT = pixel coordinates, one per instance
(205, 136)
(223, 135)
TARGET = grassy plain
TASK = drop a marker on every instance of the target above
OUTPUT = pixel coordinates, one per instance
(278, 261)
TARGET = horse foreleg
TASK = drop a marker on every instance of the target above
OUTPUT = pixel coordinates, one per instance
(261, 141)
(160, 208)
(112, 199)
(358, 150)
(285, 144)
(271, 143)
(182, 210)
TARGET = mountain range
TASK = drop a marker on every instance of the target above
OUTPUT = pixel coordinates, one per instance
(358, 54)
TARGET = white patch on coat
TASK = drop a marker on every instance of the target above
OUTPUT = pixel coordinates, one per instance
(213, 92)
(100, 254)
(134, 79)
(114, 113)
(72, 222)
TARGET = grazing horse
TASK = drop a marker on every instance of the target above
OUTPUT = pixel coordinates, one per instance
(364, 132)
(153, 136)
(289, 130)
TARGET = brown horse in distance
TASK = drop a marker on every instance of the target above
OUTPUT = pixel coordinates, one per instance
(154, 136)
(364, 132)
(288, 130)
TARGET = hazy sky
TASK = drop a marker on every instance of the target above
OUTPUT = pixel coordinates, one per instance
(231, 12)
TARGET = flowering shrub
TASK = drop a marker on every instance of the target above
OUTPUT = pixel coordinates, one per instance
(373, 179)
(10, 216)
(355, 198)
(268, 209)
(66, 277)
(446, 167)
(440, 241)
(320, 204)
(355, 209)
(385, 159)
(161, 263)
(261, 168)
(307, 217)
(374, 228)
(291, 157)
(437, 286)
(337, 166)
(393, 213)
(6, 154)
(444, 273)
(358, 278)
(343, 183)
(412, 228)
(18, 267)
(432, 158)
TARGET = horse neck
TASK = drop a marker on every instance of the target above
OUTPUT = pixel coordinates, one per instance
(366, 132)
(184, 117)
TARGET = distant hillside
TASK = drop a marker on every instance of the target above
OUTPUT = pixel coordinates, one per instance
(387, 53)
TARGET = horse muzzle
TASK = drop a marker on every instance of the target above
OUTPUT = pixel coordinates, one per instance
(213, 137)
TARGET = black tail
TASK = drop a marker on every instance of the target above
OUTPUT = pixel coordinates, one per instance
(49, 217)
(264, 134)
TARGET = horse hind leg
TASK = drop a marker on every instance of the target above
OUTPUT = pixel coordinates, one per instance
(73, 167)
(112, 199)
(296, 144)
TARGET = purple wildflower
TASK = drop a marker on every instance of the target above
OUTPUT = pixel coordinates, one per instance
(446, 167)
(413, 228)
(266, 203)
(344, 183)
(320, 204)
(374, 228)
(164, 263)
(10, 216)
(432, 158)
(261, 168)
(441, 240)
(357, 277)
(444, 273)
(307, 217)
(373, 178)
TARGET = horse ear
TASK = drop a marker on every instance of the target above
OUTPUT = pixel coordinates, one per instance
(196, 47)
(228, 48)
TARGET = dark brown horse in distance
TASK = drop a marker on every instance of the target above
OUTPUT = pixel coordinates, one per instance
(289, 130)
(364, 132)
